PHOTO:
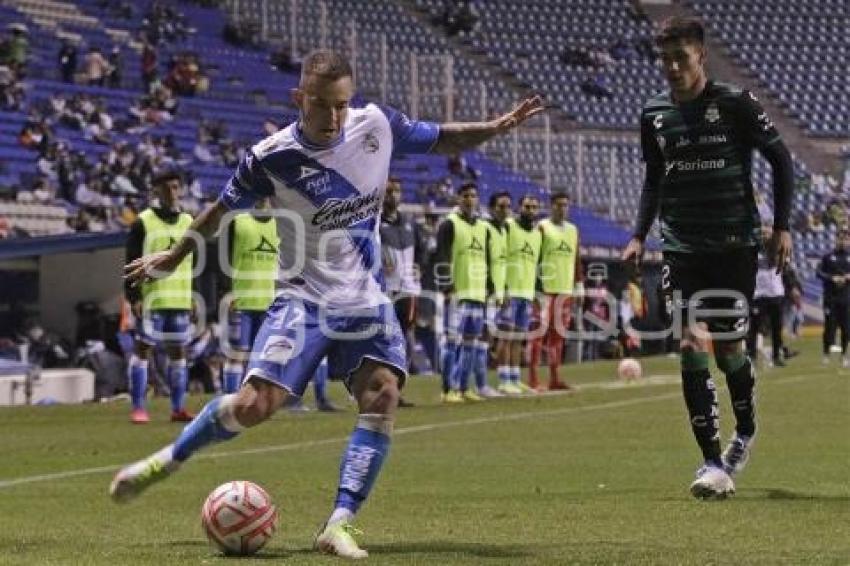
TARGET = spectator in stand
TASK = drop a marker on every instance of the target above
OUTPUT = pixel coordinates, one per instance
(577, 56)
(203, 151)
(5, 228)
(184, 76)
(35, 133)
(96, 67)
(598, 86)
(14, 51)
(285, 61)
(148, 64)
(835, 214)
(68, 61)
(621, 49)
(116, 68)
(11, 91)
(459, 16)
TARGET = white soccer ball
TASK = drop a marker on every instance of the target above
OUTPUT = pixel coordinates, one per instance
(629, 369)
(239, 517)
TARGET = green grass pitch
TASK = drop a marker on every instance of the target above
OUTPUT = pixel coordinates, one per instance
(595, 477)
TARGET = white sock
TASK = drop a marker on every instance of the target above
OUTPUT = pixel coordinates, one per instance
(340, 514)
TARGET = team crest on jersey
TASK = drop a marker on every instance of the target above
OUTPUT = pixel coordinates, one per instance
(712, 114)
(657, 122)
(370, 143)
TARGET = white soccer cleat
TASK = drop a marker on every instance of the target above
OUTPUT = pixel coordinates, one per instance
(489, 393)
(132, 480)
(712, 483)
(338, 539)
(737, 454)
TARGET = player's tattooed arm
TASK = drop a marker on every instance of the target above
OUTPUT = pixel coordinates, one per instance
(456, 137)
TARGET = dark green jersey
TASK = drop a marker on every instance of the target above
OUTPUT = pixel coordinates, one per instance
(699, 156)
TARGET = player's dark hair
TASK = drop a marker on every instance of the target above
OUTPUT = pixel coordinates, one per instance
(558, 196)
(467, 187)
(494, 198)
(680, 28)
(326, 64)
(527, 197)
(162, 177)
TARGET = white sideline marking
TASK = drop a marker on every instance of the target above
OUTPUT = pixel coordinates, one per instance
(398, 432)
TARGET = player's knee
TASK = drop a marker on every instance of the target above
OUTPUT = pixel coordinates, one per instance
(142, 350)
(175, 352)
(257, 402)
(729, 356)
(383, 389)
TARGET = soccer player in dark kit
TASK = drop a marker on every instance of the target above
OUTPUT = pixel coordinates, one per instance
(697, 140)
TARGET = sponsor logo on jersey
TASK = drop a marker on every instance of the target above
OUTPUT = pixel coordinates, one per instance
(307, 172)
(681, 165)
(714, 138)
(563, 248)
(527, 250)
(475, 245)
(339, 213)
(370, 143)
(712, 113)
(317, 185)
(277, 349)
(683, 141)
(265, 247)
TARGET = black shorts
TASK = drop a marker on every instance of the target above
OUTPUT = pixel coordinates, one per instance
(711, 281)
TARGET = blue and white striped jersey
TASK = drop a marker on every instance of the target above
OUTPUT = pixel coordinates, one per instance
(328, 199)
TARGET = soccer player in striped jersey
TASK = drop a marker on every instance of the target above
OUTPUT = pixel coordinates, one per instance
(697, 140)
(326, 176)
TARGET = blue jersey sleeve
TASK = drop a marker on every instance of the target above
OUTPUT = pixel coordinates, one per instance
(248, 184)
(410, 136)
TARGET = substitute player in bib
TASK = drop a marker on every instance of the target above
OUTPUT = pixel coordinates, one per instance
(524, 242)
(162, 307)
(462, 242)
(253, 250)
(697, 140)
(560, 273)
(497, 267)
(326, 176)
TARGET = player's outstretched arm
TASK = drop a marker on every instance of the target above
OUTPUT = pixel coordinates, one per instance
(456, 137)
(161, 264)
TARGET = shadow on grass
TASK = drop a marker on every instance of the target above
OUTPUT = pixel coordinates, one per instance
(479, 550)
(779, 494)
(265, 554)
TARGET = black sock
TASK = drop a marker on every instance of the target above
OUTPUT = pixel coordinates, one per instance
(741, 383)
(701, 399)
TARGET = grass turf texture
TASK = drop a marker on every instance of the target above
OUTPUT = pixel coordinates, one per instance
(596, 477)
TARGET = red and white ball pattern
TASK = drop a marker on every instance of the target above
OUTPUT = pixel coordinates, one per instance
(629, 369)
(239, 517)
